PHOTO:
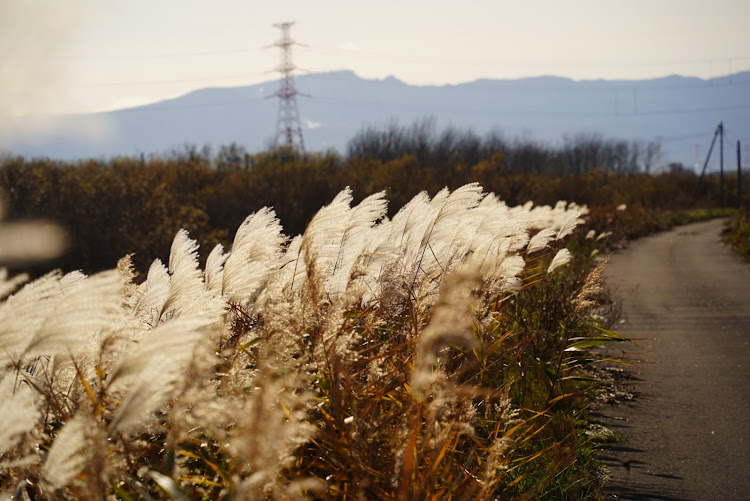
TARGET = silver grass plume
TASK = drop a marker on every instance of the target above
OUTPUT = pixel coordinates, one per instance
(145, 396)
(367, 272)
(497, 264)
(541, 240)
(568, 223)
(319, 246)
(502, 222)
(254, 256)
(582, 209)
(67, 455)
(323, 237)
(271, 423)
(392, 251)
(131, 292)
(440, 197)
(186, 279)
(154, 364)
(450, 208)
(90, 307)
(18, 408)
(355, 239)
(408, 227)
(487, 226)
(460, 204)
(590, 294)
(506, 278)
(213, 275)
(409, 217)
(171, 343)
(70, 280)
(497, 232)
(362, 217)
(451, 325)
(23, 313)
(290, 271)
(8, 285)
(562, 258)
(563, 217)
(459, 241)
(153, 293)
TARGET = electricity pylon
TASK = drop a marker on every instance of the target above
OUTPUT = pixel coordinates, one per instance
(288, 130)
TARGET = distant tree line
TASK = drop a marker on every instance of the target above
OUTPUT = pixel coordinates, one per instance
(449, 147)
(137, 204)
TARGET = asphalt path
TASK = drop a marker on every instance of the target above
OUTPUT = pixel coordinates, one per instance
(687, 432)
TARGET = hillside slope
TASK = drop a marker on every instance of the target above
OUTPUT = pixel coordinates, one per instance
(682, 112)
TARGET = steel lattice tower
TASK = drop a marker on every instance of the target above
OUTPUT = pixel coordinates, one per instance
(288, 130)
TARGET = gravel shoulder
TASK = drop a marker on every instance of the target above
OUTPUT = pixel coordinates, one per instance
(687, 432)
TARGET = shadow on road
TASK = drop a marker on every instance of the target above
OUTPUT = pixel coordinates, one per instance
(622, 487)
(626, 493)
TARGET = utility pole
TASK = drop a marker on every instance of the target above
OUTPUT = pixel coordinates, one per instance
(705, 163)
(288, 130)
(721, 164)
(718, 132)
(739, 177)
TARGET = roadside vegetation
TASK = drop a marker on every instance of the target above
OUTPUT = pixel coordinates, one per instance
(440, 353)
(428, 334)
(738, 233)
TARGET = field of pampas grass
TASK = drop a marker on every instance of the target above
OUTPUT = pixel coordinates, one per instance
(440, 354)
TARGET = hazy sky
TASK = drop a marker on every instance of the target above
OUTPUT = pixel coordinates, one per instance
(84, 55)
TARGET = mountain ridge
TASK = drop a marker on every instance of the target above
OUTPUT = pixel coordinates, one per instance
(544, 108)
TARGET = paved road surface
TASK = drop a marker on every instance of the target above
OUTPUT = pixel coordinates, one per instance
(689, 429)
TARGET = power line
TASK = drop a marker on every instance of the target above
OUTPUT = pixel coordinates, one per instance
(164, 55)
(464, 61)
(164, 82)
(685, 137)
(729, 59)
(695, 110)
